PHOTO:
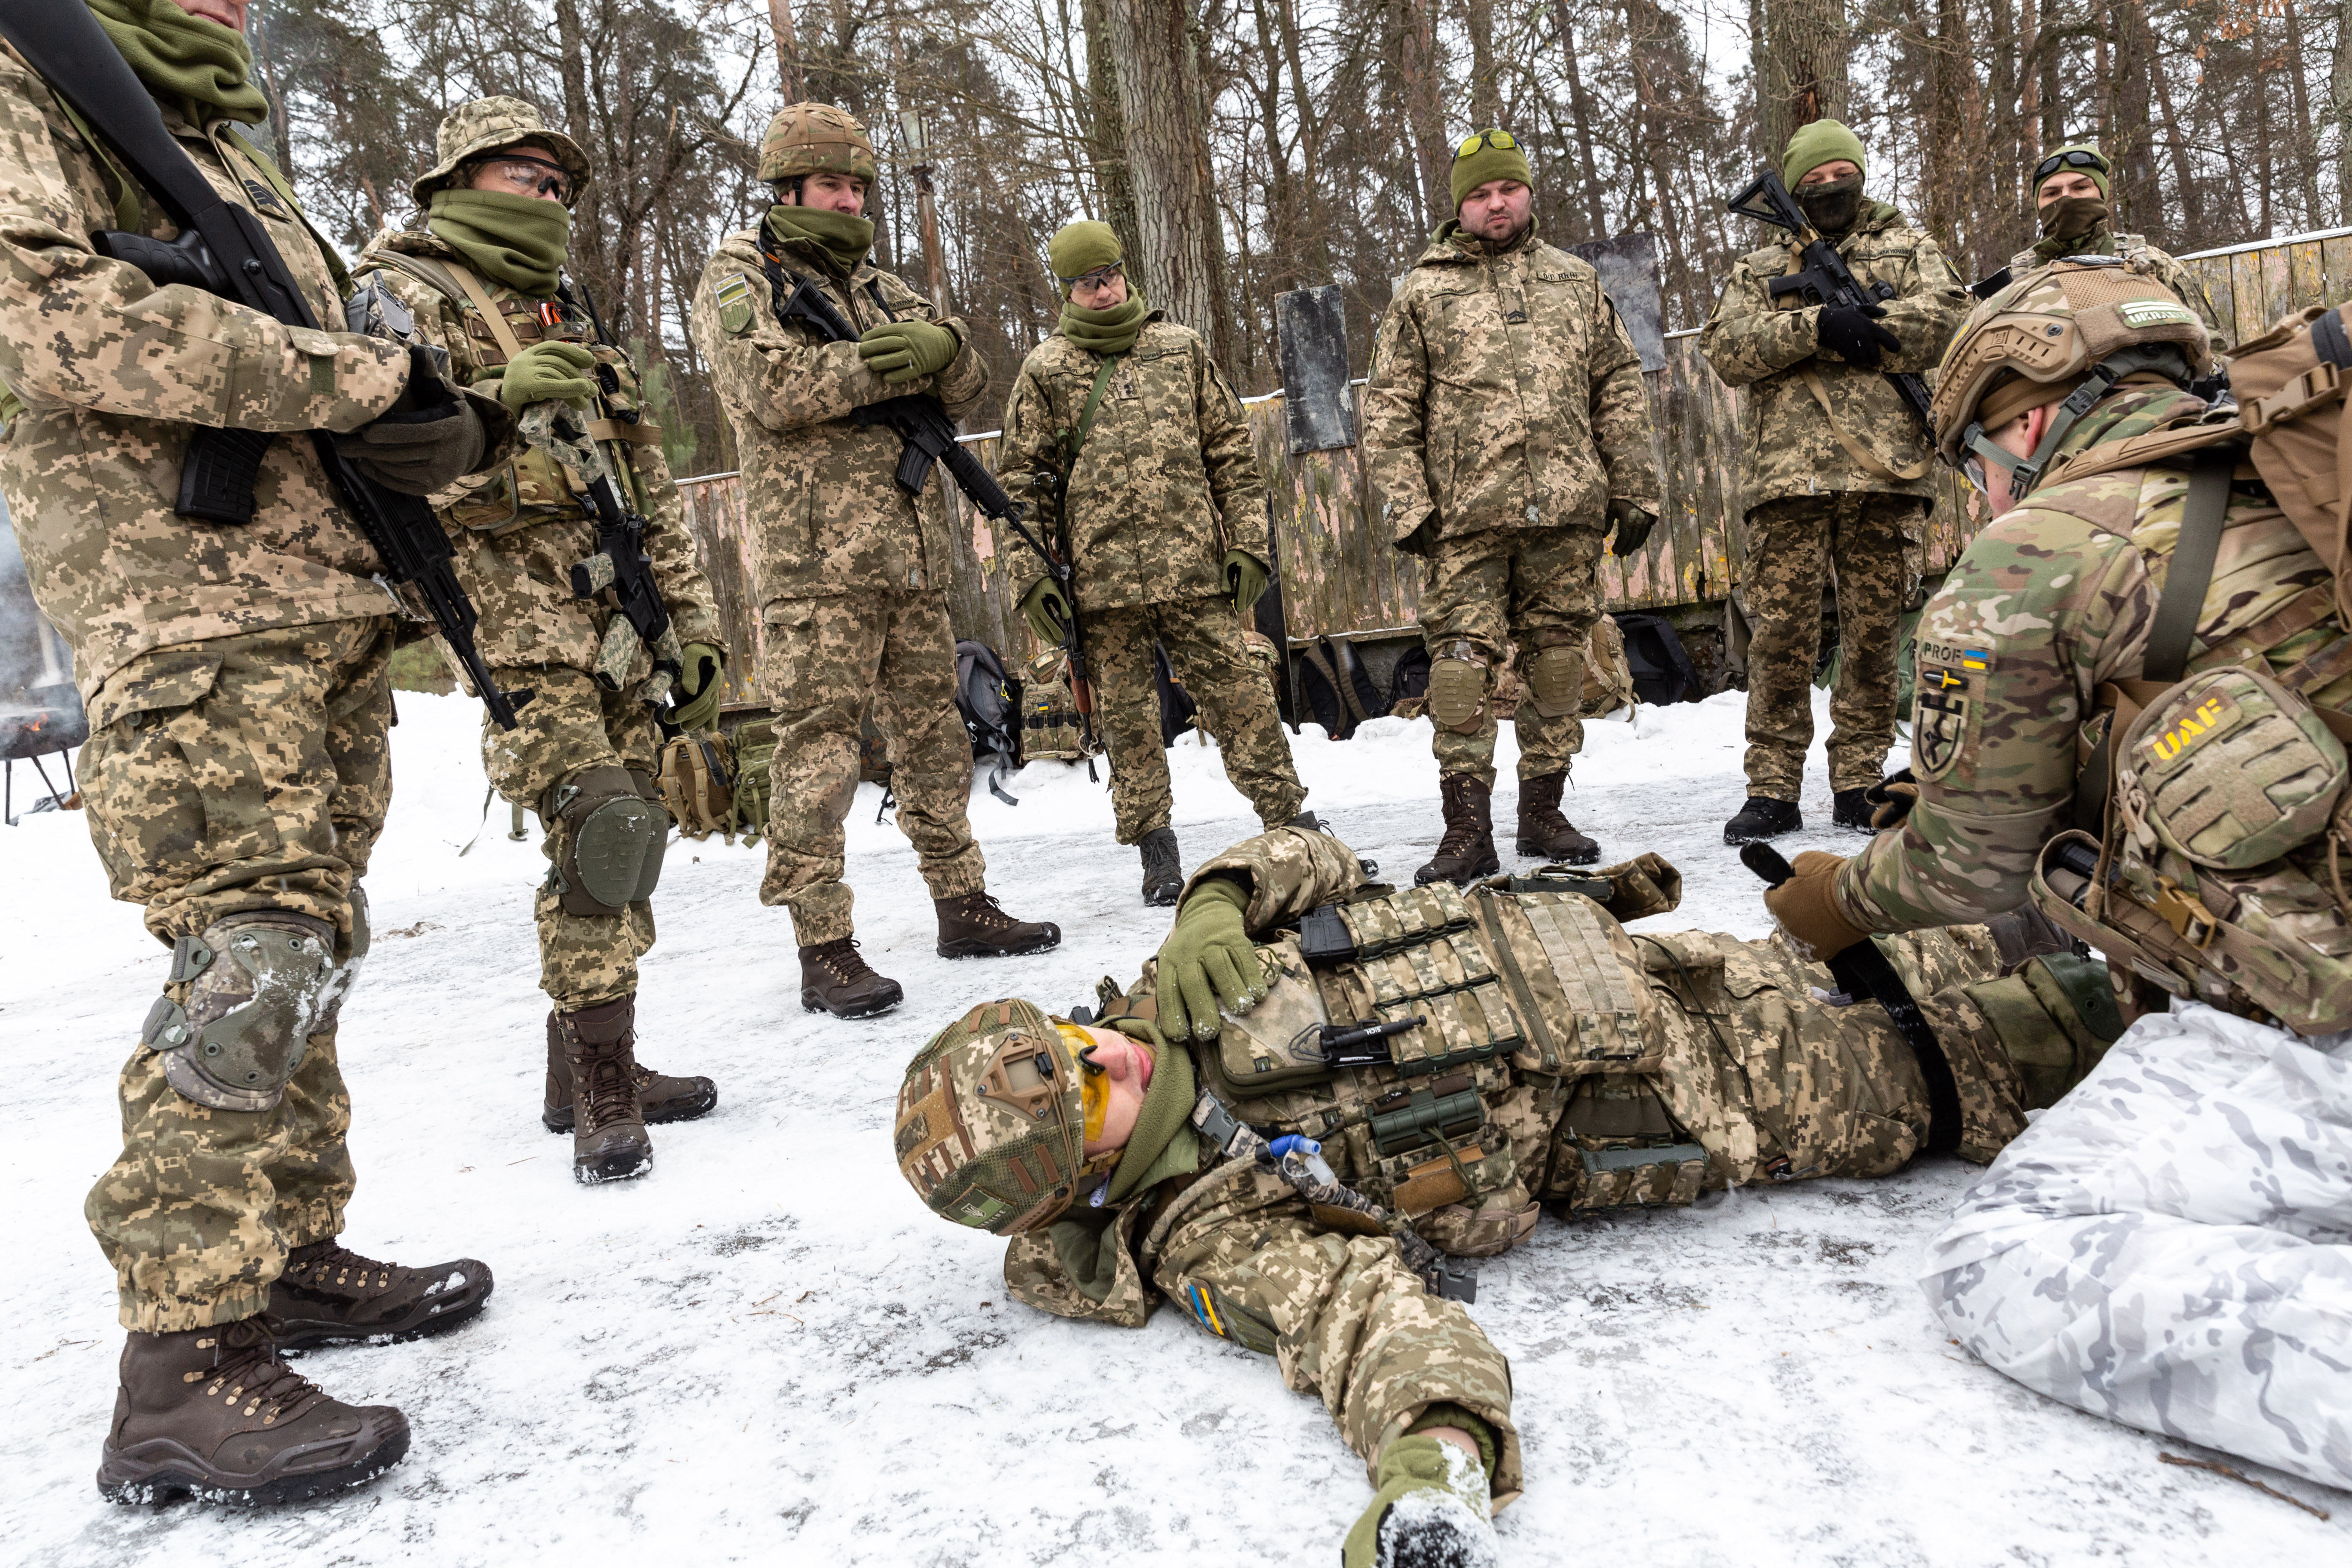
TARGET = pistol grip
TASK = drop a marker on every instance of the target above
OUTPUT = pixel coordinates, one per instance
(217, 478)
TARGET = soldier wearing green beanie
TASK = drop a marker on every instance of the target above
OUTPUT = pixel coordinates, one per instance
(1507, 429)
(1154, 479)
(2070, 200)
(1837, 473)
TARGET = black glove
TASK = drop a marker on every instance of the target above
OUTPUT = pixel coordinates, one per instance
(1634, 522)
(429, 440)
(1894, 795)
(1853, 333)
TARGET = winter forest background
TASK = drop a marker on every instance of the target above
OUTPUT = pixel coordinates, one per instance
(1248, 147)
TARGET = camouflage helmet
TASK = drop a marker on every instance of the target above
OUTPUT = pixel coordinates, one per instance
(2064, 333)
(990, 1128)
(815, 138)
(486, 125)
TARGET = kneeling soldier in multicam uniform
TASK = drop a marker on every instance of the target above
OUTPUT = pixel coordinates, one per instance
(1453, 1061)
(483, 281)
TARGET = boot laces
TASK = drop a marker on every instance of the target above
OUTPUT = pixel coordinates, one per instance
(333, 1265)
(246, 1368)
(842, 960)
(983, 910)
(610, 1092)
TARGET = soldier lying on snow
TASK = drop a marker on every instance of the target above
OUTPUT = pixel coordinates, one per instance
(1318, 1086)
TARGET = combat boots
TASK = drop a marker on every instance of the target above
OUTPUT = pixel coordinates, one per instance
(836, 979)
(1851, 808)
(1468, 851)
(659, 1096)
(1163, 869)
(1763, 817)
(608, 1131)
(1544, 831)
(328, 1293)
(215, 1413)
(976, 926)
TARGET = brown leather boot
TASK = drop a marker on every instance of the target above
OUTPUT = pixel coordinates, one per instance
(215, 1412)
(1468, 851)
(608, 1132)
(1544, 831)
(328, 1293)
(660, 1096)
(976, 926)
(836, 979)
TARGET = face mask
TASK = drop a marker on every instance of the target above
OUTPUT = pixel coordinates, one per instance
(1833, 205)
(2072, 218)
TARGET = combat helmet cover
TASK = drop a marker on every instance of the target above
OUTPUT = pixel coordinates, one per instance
(484, 126)
(815, 138)
(990, 1121)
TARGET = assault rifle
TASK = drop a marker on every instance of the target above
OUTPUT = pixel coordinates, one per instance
(223, 249)
(1825, 280)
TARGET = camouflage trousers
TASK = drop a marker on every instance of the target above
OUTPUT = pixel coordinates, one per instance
(572, 724)
(1206, 655)
(244, 772)
(1342, 1314)
(826, 661)
(1527, 589)
(1792, 546)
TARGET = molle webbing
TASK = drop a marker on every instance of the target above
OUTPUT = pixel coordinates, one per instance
(1416, 956)
(1570, 984)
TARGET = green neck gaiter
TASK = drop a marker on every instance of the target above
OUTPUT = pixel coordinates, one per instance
(1111, 332)
(519, 241)
(1167, 1107)
(846, 239)
(201, 66)
(2076, 225)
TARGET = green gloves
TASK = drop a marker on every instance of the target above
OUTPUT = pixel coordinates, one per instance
(1206, 961)
(699, 688)
(1046, 611)
(907, 351)
(547, 370)
(1441, 1502)
(1633, 523)
(1247, 575)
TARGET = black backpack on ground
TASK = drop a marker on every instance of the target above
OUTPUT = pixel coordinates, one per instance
(1662, 671)
(990, 701)
(1340, 690)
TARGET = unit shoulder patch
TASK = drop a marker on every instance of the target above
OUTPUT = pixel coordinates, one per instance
(1946, 705)
(735, 309)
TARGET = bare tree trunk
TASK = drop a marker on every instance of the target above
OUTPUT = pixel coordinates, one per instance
(1580, 110)
(1419, 73)
(2184, 176)
(1106, 127)
(1315, 225)
(1945, 150)
(1486, 93)
(2339, 104)
(2306, 136)
(591, 255)
(2136, 204)
(1179, 235)
(788, 50)
(1804, 75)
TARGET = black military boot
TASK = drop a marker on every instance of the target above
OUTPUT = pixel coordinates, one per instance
(836, 979)
(1763, 817)
(328, 1294)
(975, 925)
(609, 1142)
(1468, 851)
(659, 1096)
(215, 1412)
(1851, 808)
(1544, 831)
(1163, 869)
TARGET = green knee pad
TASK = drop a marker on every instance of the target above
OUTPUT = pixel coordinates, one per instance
(1457, 689)
(260, 981)
(615, 834)
(1556, 680)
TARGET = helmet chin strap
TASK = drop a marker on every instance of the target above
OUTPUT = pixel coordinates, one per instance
(2024, 473)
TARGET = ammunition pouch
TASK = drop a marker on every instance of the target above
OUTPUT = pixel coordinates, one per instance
(1617, 1147)
(698, 784)
(1556, 680)
(1458, 679)
(615, 832)
(260, 983)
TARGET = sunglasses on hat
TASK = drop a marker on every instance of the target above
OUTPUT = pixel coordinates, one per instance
(1502, 139)
(2072, 158)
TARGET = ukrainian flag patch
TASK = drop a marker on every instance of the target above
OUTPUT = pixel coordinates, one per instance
(1974, 659)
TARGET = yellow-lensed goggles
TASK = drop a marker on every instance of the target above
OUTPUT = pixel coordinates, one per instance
(1094, 1085)
(1471, 143)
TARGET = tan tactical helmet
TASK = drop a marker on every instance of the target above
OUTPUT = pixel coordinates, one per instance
(486, 125)
(2064, 333)
(991, 1127)
(815, 138)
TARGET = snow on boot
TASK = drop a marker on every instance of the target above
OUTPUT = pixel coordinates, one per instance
(214, 1412)
(976, 926)
(659, 1096)
(328, 1293)
(1431, 1510)
(609, 1142)
(1544, 831)
(1851, 808)
(1163, 870)
(1468, 851)
(1763, 817)
(836, 979)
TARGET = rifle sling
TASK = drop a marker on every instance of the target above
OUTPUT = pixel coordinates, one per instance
(1087, 419)
(1870, 460)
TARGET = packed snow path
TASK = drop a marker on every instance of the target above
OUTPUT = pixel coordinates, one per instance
(769, 1351)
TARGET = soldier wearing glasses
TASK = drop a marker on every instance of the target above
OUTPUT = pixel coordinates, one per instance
(2070, 197)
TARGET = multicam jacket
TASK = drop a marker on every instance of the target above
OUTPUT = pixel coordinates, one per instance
(107, 375)
(1792, 449)
(1504, 394)
(829, 517)
(520, 526)
(1167, 480)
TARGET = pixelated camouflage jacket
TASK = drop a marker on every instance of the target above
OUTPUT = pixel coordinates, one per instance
(2052, 600)
(1789, 447)
(1168, 479)
(114, 375)
(1504, 394)
(2141, 257)
(519, 527)
(827, 517)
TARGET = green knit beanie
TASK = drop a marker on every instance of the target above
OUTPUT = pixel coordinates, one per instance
(1822, 142)
(1077, 248)
(2098, 176)
(1479, 160)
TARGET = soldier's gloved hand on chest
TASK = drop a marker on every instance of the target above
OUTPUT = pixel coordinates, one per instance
(1247, 575)
(1894, 795)
(907, 351)
(429, 440)
(699, 687)
(1208, 962)
(1046, 611)
(548, 370)
(1853, 333)
(1632, 522)
(1806, 908)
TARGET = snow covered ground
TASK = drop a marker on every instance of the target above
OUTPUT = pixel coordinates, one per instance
(769, 1351)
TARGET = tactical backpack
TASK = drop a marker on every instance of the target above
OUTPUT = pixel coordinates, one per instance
(1050, 729)
(990, 701)
(698, 784)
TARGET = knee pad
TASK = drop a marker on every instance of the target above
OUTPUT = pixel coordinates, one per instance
(1457, 689)
(1556, 680)
(259, 982)
(615, 835)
